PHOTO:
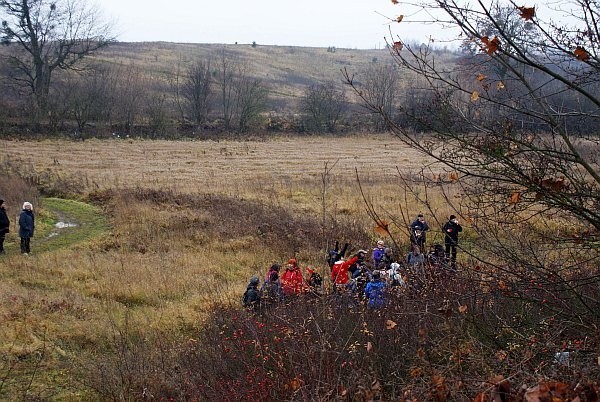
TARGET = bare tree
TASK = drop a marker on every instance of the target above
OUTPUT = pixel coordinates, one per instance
(130, 92)
(49, 35)
(89, 96)
(251, 100)
(197, 90)
(379, 86)
(529, 183)
(324, 105)
(226, 82)
(243, 98)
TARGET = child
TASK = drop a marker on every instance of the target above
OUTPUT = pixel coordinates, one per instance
(251, 299)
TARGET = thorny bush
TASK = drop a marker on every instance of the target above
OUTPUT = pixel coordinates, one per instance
(443, 338)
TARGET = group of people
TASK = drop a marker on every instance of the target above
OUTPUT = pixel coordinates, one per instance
(365, 278)
(26, 226)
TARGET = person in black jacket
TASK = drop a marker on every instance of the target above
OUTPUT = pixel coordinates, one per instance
(251, 299)
(4, 225)
(451, 230)
(418, 231)
(26, 227)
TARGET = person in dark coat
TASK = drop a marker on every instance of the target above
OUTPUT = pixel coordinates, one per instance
(251, 298)
(4, 225)
(451, 230)
(418, 230)
(26, 227)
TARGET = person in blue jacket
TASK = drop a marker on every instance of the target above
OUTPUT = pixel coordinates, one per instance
(375, 291)
(26, 227)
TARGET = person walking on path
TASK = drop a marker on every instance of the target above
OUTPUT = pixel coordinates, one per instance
(26, 227)
(451, 230)
(4, 225)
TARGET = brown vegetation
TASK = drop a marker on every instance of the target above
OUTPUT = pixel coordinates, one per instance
(150, 309)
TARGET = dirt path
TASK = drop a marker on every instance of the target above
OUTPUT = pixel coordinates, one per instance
(64, 223)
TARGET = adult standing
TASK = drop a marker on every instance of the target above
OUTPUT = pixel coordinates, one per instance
(26, 227)
(451, 230)
(4, 225)
(418, 232)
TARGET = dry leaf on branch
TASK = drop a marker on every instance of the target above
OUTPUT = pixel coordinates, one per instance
(389, 324)
(490, 45)
(514, 198)
(416, 372)
(474, 96)
(581, 54)
(527, 13)
(398, 46)
(399, 18)
(382, 228)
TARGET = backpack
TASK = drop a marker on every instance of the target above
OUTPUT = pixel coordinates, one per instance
(251, 297)
(374, 292)
(315, 280)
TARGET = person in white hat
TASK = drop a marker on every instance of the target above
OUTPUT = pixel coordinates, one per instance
(26, 227)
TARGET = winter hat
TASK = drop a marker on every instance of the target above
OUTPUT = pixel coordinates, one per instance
(361, 251)
(452, 217)
(27, 204)
(420, 216)
(275, 267)
(292, 261)
(254, 281)
(380, 242)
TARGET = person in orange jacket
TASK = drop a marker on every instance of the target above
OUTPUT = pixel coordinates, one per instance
(339, 271)
(292, 281)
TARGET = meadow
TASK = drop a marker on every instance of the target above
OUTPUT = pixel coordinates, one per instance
(145, 302)
(188, 222)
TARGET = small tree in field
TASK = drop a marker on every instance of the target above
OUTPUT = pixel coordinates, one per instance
(197, 90)
(243, 98)
(49, 35)
(323, 106)
(379, 87)
(520, 161)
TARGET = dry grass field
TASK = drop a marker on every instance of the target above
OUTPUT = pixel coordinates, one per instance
(189, 223)
(143, 296)
(287, 168)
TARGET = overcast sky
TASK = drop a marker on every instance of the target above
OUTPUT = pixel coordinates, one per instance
(322, 23)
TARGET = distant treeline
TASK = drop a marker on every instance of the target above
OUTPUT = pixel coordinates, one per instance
(119, 93)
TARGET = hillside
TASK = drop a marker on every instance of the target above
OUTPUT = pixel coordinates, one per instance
(139, 88)
(286, 69)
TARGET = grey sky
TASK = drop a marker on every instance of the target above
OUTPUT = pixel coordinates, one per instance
(347, 23)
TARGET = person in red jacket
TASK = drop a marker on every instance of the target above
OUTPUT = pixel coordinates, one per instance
(339, 271)
(292, 281)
